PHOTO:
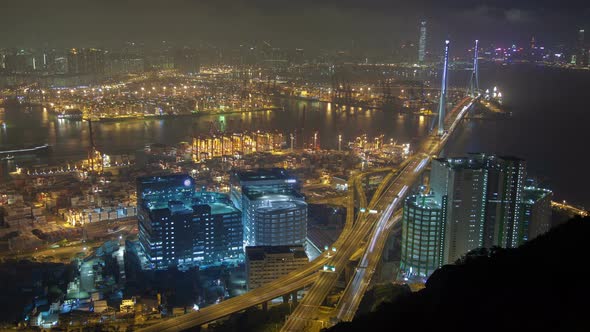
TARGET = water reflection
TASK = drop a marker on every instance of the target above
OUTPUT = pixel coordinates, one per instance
(70, 139)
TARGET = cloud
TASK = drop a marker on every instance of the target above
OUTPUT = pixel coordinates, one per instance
(499, 15)
(517, 15)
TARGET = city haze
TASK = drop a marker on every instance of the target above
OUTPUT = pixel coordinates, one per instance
(306, 23)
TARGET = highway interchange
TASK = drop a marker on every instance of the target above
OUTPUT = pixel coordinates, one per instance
(372, 227)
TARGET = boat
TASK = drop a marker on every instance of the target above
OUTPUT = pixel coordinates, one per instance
(71, 115)
(120, 117)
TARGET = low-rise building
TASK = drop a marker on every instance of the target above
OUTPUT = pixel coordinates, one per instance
(267, 263)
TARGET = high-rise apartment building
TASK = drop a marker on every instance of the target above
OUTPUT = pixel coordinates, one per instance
(184, 228)
(460, 185)
(511, 185)
(482, 196)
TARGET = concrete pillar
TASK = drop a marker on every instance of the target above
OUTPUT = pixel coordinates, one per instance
(349, 271)
(286, 298)
(294, 297)
(265, 306)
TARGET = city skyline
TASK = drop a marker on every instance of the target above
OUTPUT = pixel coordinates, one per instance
(276, 165)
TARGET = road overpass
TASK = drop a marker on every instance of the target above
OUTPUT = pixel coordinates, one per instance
(353, 294)
(305, 316)
(569, 208)
(285, 285)
(370, 226)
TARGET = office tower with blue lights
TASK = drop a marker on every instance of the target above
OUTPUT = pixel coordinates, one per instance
(422, 42)
(274, 213)
(482, 196)
(422, 237)
(183, 228)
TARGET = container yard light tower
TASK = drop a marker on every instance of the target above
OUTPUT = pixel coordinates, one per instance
(474, 85)
(443, 91)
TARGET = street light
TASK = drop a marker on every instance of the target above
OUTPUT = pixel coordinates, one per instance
(315, 140)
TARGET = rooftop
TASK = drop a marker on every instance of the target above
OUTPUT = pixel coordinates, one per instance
(264, 174)
(222, 208)
(476, 161)
(260, 252)
(533, 194)
(219, 203)
(179, 177)
(423, 201)
(461, 163)
(281, 205)
(271, 194)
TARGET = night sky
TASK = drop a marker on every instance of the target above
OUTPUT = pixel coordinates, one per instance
(287, 23)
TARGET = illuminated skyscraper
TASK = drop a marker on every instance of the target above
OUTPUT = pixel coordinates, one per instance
(510, 186)
(482, 196)
(582, 52)
(422, 237)
(422, 42)
(459, 185)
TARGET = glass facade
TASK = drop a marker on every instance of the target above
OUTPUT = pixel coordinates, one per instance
(422, 237)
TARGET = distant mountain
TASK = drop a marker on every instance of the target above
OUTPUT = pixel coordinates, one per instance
(541, 286)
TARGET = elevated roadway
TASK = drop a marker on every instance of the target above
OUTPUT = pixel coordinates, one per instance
(569, 209)
(387, 200)
(305, 314)
(284, 285)
(356, 288)
(304, 318)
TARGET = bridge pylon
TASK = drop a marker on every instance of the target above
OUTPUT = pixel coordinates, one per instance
(474, 83)
(442, 104)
